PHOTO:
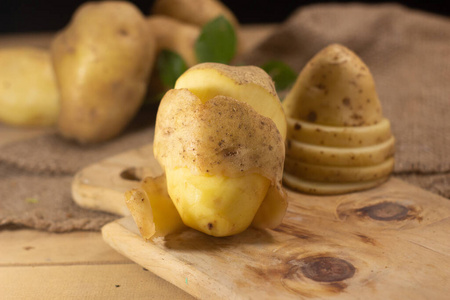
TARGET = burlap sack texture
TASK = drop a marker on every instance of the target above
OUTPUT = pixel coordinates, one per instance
(407, 51)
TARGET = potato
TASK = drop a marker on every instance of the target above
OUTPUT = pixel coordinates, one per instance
(220, 157)
(338, 136)
(196, 12)
(171, 34)
(102, 61)
(249, 84)
(333, 156)
(28, 92)
(325, 173)
(152, 209)
(327, 188)
(335, 88)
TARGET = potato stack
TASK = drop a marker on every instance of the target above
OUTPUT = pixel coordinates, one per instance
(338, 140)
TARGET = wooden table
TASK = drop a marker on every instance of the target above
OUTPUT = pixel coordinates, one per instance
(76, 265)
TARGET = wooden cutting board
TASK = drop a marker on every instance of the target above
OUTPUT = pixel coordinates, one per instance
(390, 242)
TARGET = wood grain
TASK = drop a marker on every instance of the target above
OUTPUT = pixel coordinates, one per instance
(390, 242)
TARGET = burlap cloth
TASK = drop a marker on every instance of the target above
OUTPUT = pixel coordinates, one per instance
(407, 51)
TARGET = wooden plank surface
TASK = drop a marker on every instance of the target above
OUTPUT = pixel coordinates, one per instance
(390, 242)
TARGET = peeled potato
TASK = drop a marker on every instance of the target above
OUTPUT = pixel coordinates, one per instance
(28, 92)
(327, 173)
(338, 136)
(221, 133)
(333, 156)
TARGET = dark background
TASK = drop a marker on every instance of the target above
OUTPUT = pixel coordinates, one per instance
(34, 16)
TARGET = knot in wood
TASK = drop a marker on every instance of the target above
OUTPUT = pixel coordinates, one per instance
(327, 269)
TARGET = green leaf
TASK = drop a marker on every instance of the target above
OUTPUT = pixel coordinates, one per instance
(283, 75)
(217, 42)
(170, 65)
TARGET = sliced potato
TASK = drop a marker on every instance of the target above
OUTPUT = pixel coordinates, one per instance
(338, 136)
(338, 173)
(328, 188)
(332, 156)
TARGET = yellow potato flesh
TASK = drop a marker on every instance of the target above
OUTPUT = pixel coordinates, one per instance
(333, 156)
(338, 136)
(338, 173)
(208, 82)
(216, 205)
(328, 188)
(152, 209)
(28, 91)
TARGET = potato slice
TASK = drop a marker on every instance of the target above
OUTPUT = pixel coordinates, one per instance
(335, 88)
(248, 84)
(152, 209)
(328, 188)
(338, 136)
(28, 92)
(338, 173)
(332, 156)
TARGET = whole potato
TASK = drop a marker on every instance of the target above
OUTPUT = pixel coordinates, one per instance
(102, 62)
(28, 92)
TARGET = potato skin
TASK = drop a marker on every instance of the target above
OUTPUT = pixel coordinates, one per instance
(28, 92)
(196, 12)
(335, 88)
(102, 62)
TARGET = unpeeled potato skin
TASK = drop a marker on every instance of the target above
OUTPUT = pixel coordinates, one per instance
(335, 88)
(102, 61)
(196, 12)
(28, 93)
(171, 34)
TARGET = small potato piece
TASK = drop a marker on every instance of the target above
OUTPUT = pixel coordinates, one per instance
(152, 209)
(28, 91)
(102, 62)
